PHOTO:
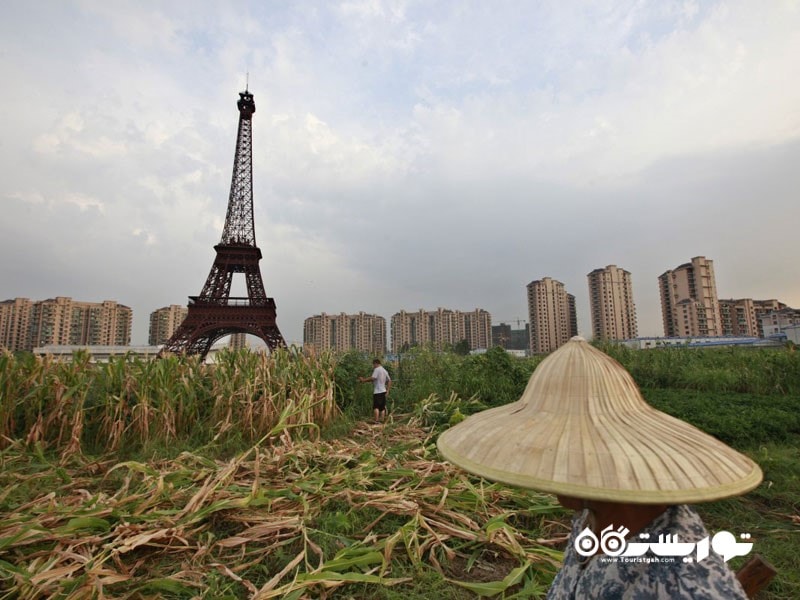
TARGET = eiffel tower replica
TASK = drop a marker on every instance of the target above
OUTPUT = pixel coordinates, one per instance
(214, 313)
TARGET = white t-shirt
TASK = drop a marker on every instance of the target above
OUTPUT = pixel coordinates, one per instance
(379, 378)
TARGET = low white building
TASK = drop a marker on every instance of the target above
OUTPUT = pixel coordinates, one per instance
(788, 333)
(97, 353)
(105, 353)
(779, 322)
(517, 353)
(645, 343)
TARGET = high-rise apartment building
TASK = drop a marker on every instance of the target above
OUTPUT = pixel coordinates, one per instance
(611, 304)
(363, 332)
(25, 325)
(50, 323)
(15, 316)
(441, 328)
(738, 317)
(238, 341)
(552, 315)
(689, 304)
(742, 316)
(105, 323)
(164, 321)
(572, 316)
(410, 329)
(476, 328)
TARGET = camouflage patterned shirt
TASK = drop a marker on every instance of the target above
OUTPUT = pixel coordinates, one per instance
(648, 577)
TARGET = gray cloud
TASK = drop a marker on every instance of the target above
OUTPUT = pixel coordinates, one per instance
(406, 155)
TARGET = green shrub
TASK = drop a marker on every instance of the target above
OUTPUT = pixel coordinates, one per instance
(762, 371)
(349, 367)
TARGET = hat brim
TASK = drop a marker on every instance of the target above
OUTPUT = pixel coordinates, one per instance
(582, 429)
(545, 456)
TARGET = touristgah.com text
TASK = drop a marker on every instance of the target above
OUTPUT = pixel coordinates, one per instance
(639, 559)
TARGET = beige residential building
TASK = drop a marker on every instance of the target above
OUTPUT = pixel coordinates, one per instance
(611, 304)
(441, 328)
(477, 329)
(738, 317)
(689, 304)
(764, 308)
(742, 316)
(164, 321)
(106, 323)
(62, 321)
(552, 315)
(238, 341)
(572, 315)
(411, 329)
(363, 332)
(50, 323)
(15, 317)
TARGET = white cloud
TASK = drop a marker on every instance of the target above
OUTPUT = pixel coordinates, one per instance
(71, 135)
(84, 202)
(34, 198)
(406, 154)
(136, 25)
(148, 237)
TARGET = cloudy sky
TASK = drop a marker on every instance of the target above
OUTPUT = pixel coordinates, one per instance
(407, 154)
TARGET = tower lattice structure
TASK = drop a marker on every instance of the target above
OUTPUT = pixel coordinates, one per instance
(214, 313)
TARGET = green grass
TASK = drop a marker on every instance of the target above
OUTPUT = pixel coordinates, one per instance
(766, 428)
(771, 514)
(741, 420)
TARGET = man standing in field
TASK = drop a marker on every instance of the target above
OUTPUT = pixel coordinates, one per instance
(381, 384)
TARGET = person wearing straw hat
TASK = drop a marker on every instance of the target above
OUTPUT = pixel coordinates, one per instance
(582, 431)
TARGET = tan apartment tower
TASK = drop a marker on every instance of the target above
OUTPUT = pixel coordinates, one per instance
(551, 314)
(238, 341)
(742, 316)
(689, 304)
(15, 317)
(62, 321)
(441, 328)
(738, 317)
(164, 322)
(363, 332)
(611, 304)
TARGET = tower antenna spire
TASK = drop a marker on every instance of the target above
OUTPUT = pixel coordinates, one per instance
(247, 83)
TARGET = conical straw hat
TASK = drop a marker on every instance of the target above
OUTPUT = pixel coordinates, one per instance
(582, 429)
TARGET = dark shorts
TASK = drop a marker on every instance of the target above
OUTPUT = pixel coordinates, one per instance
(379, 401)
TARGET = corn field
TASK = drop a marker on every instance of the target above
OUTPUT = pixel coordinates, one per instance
(84, 513)
(127, 405)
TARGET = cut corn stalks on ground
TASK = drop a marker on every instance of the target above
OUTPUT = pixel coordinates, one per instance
(294, 516)
(287, 519)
